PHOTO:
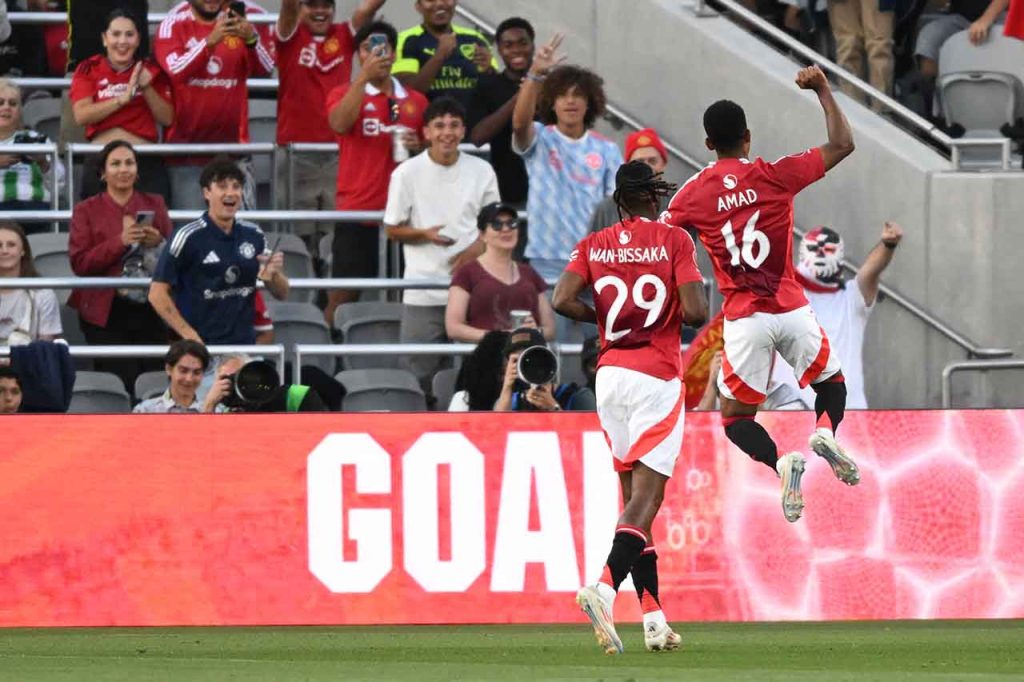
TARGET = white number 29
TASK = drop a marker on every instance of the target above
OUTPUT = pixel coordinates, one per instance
(751, 236)
(653, 306)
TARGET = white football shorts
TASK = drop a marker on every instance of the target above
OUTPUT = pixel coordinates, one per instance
(749, 353)
(642, 417)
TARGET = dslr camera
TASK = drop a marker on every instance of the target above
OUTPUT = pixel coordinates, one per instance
(252, 386)
(537, 364)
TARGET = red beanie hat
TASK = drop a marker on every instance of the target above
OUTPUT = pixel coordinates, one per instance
(645, 138)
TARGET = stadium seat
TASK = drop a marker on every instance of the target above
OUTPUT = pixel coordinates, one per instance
(301, 323)
(150, 385)
(42, 114)
(72, 333)
(381, 390)
(998, 53)
(297, 262)
(570, 370)
(99, 392)
(50, 255)
(443, 387)
(369, 322)
(981, 103)
(263, 128)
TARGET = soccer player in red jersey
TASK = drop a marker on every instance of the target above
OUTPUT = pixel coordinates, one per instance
(743, 212)
(646, 285)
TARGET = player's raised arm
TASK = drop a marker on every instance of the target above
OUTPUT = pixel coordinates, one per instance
(566, 299)
(840, 137)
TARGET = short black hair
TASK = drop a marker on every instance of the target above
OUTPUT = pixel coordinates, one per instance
(563, 79)
(443, 106)
(183, 347)
(9, 373)
(384, 27)
(221, 168)
(122, 13)
(725, 124)
(514, 22)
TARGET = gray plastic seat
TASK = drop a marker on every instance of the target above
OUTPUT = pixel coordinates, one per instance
(369, 322)
(301, 323)
(443, 387)
(99, 393)
(50, 255)
(982, 102)
(297, 262)
(150, 385)
(42, 114)
(72, 333)
(263, 128)
(381, 390)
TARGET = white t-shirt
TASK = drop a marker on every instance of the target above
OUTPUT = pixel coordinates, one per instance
(844, 316)
(423, 194)
(34, 313)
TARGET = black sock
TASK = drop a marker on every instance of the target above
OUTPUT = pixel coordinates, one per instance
(751, 438)
(645, 579)
(626, 549)
(830, 400)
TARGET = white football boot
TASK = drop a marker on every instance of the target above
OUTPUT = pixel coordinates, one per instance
(824, 445)
(660, 637)
(600, 614)
(791, 469)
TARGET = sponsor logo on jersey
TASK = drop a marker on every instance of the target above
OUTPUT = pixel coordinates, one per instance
(643, 254)
(594, 161)
(624, 237)
(211, 258)
(730, 181)
(248, 251)
(232, 274)
(214, 66)
(371, 127)
(112, 91)
(574, 255)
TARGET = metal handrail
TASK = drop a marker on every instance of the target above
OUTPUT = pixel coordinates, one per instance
(970, 366)
(150, 351)
(360, 283)
(47, 18)
(266, 216)
(908, 116)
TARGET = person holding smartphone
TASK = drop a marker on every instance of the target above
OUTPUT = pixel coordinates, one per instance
(119, 231)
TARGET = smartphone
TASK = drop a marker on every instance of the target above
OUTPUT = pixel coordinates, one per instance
(237, 8)
(144, 218)
(378, 43)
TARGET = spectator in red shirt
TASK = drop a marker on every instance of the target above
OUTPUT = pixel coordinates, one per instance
(486, 292)
(209, 51)
(314, 56)
(118, 96)
(117, 228)
(375, 118)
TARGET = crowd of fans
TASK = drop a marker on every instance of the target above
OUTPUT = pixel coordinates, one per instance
(398, 124)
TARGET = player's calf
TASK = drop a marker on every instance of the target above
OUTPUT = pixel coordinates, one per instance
(751, 438)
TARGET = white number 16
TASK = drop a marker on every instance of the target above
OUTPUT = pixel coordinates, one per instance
(751, 236)
(652, 306)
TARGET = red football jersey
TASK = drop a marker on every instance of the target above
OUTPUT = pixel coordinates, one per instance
(210, 95)
(743, 212)
(365, 159)
(96, 79)
(636, 268)
(310, 67)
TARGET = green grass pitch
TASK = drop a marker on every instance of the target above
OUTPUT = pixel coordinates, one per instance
(917, 650)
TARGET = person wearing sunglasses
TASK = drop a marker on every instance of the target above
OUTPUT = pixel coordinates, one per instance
(494, 291)
(25, 180)
(376, 121)
(841, 309)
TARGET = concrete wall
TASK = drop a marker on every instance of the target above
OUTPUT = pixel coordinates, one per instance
(664, 65)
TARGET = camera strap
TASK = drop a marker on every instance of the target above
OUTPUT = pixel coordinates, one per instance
(296, 394)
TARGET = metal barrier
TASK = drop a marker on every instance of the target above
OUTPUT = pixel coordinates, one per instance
(274, 349)
(41, 149)
(971, 366)
(50, 18)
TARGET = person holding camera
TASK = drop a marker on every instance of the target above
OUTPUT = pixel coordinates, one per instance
(209, 49)
(118, 232)
(529, 386)
(24, 179)
(247, 385)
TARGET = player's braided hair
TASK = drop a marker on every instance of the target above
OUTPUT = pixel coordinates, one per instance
(637, 186)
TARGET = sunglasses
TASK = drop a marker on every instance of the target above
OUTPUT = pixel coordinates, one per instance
(502, 225)
(822, 248)
(393, 110)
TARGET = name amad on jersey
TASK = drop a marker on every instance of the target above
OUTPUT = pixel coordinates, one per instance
(646, 254)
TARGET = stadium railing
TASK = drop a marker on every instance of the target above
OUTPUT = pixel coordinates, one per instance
(277, 351)
(971, 366)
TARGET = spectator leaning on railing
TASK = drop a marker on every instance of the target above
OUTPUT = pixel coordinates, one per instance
(120, 96)
(26, 315)
(377, 122)
(205, 281)
(314, 55)
(24, 179)
(119, 231)
(185, 363)
(433, 203)
(209, 52)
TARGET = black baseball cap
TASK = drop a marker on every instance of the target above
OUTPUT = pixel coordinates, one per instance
(525, 337)
(489, 213)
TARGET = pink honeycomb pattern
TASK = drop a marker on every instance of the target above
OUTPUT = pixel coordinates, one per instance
(934, 530)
